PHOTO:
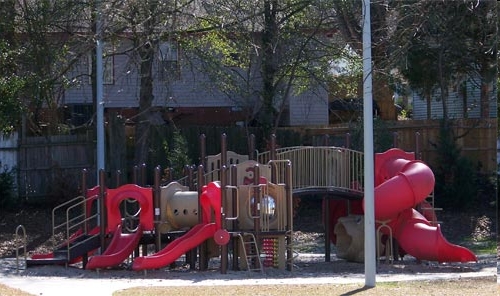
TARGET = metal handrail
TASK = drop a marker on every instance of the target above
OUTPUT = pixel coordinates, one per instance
(327, 167)
(70, 228)
(257, 201)
(237, 203)
(76, 200)
(322, 167)
(16, 238)
(72, 222)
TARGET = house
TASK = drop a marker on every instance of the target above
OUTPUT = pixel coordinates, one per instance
(181, 95)
(462, 103)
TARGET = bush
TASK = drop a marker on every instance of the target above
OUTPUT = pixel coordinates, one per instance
(8, 193)
(63, 186)
(382, 136)
(177, 154)
(456, 176)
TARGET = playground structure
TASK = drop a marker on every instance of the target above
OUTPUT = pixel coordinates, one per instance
(243, 207)
(233, 213)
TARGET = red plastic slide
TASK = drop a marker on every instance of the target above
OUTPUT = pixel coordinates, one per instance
(419, 238)
(210, 203)
(194, 237)
(120, 247)
(401, 184)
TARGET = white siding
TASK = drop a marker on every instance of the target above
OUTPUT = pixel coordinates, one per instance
(193, 89)
(122, 93)
(455, 104)
(310, 108)
(8, 151)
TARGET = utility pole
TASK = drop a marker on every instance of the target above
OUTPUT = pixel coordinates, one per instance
(369, 203)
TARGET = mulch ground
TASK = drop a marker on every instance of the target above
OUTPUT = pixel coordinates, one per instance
(464, 228)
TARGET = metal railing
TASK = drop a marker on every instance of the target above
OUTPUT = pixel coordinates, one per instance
(75, 224)
(20, 239)
(322, 167)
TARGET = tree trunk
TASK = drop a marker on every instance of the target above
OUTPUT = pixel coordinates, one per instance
(117, 146)
(268, 66)
(142, 127)
(383, 95)
(443, 84)
(488, 76)
(428, 100)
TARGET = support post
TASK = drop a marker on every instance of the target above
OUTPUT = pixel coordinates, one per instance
(203, 260)
(102, 212)
(289, 210)
(251, 148)
(224, 250)
(203, 150)
(234, 223)
(157, 209)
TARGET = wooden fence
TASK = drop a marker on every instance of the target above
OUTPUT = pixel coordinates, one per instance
(477, 139)
(51, 167)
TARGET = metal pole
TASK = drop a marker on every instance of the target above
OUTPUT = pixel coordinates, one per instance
(99, 108)
(223, 181)
(251, 148)
(99, 96)
(157, 207)
(370, 258)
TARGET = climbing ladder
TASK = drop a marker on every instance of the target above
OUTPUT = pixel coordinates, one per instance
(428, 205)
(250, 251)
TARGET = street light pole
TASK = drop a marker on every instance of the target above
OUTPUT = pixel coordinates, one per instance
(99, 95)
(369, 204)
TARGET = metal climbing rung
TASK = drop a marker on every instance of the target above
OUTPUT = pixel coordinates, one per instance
(250, 251)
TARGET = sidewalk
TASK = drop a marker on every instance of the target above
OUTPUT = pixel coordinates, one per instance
(57, 280)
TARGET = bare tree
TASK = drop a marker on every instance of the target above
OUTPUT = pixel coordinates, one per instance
(260, 53)
(349, 20)
(145, 24)
(50, 35)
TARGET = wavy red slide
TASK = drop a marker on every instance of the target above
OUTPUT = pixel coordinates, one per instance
(210, 201)
(419, 238)
(193, 238)
(120, 247)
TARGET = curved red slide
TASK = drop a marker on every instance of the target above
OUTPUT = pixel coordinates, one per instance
(120, 247)
(419, 238)
(402, 184)
(194, 237)
(210, 203)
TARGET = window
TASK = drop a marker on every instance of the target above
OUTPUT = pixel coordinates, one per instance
(80, 114)
(168, 56)
(108, 65)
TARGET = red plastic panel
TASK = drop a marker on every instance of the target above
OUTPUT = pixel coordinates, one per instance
(143, 195)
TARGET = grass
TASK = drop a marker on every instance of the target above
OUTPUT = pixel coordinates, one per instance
(464, 287)
(483, 246)
(8, 291)
(484, 286)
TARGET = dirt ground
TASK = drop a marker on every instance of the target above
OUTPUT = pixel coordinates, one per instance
(469, 229)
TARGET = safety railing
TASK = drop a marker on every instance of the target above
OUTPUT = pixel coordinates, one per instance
(322, 167)
(76, 223)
